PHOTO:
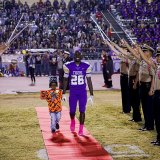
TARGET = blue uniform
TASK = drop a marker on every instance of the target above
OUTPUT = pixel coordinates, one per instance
(77, 82)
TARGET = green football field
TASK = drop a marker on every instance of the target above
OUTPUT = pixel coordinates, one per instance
(20, 136)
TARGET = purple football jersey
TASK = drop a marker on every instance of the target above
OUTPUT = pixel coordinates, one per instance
(77, 74)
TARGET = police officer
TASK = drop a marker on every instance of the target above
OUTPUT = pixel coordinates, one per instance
(146, 80)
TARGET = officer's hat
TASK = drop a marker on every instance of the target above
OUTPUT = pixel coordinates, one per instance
(53, 79)
(145, 47)
(158, 51)
(66, 52)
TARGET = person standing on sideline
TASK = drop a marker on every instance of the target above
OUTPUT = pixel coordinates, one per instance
(66, 58)
(156, 98)
(146, 82)
(104, 61)
(60, 68)
(53, 97)
(133, 85)
(26, 56)
(77, 72)
(124, 66)
(31, 64)
(109, 71)
(38, 65)
(45, 64)
(53, 64)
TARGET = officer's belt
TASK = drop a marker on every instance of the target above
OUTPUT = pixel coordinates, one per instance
(145, 83)
(122, 74)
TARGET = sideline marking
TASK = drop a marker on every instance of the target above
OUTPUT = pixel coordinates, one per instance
(42, 154)
(128, 150)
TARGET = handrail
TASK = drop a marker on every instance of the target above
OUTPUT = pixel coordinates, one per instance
(100, 30)
(112, 26)
(15, 29)
(121, 27)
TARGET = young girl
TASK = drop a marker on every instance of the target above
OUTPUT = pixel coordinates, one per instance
(53, 97)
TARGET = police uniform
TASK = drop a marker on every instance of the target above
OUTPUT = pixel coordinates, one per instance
(156, 100)
(134, 93)
(146, 73)
(124, 66)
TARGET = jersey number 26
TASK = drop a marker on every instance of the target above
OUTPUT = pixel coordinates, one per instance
(77, 80)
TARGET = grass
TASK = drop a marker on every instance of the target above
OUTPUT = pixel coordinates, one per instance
(20, 136)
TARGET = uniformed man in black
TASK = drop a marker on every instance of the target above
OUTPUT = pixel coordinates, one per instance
(156, 99)
(146, 81)
(134, 90)
(124, 66)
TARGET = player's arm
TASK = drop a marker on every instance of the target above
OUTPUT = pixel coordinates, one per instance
(90, 86)
(89, 80)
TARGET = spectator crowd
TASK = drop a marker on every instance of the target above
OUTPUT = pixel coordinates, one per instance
(54, 25)
(142, 18)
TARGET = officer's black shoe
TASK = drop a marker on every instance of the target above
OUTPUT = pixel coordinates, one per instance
(147, 129)
(154, 141)
(138, 120)
(57, 126)
(157, 143)
(143, 128)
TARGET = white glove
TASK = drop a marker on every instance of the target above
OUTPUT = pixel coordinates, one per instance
(64, 98)
(90, 100)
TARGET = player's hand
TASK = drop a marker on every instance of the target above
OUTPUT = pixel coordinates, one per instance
(90, 100)
(64, 98)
